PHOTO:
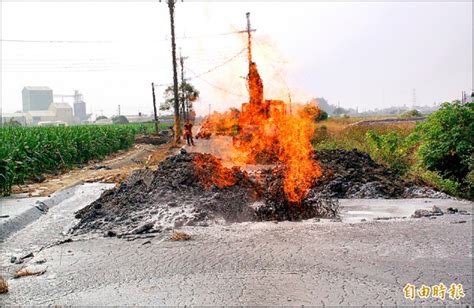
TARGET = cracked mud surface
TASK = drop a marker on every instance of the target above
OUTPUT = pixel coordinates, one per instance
(289, 263)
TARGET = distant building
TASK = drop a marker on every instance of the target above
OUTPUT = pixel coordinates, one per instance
(80, 111)
(140, 118)
(80, 107)
(57, 112)
(19, 117)
(36, 116)
(103, 121)
(36, 98)
(63, 112)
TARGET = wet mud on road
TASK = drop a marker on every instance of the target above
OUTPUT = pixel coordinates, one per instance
(314, 262)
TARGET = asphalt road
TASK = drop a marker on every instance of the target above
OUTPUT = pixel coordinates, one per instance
(289, 263)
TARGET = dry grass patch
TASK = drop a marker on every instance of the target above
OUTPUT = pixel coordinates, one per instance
(25, 272)
(3, 285)
(180, 236)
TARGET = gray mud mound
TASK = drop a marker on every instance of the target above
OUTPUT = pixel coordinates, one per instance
(195, 189)
(353, 174)
(186, 189)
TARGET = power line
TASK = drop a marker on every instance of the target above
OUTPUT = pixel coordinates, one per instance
(214, 86)
(217, 66)
(115, 41)
(53, 41)
(207, 71)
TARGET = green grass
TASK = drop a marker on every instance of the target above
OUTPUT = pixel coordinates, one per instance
(337, 134)
(27, 153)
(393, 145)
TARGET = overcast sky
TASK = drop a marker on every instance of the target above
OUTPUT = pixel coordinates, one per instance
(365, 55)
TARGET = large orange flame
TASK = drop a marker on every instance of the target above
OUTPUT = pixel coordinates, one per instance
(268, 133)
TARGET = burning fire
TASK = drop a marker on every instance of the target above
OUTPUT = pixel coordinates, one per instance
(210, 172)
(268, 133)
(220, 124)
(296, 153)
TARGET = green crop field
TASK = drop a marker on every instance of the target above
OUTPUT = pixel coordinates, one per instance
(26, 153)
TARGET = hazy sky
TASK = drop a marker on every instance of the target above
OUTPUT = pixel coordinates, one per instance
(369, 55)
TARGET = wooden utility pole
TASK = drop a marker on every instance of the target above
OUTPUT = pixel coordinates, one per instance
(154, 107)
(183, 94)
(249, 31)
(177, 121)
(249, 37)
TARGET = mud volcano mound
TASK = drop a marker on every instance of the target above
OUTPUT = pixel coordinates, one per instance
(353, 174)
(195, 189)
(186, 189)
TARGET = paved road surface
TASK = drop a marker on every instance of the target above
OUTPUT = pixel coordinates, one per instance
(290, 263)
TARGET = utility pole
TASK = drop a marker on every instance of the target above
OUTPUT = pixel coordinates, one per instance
(183, 96)
(249, 38)
(177, 121)
(154, 107)
(118, 110)
(249, 31)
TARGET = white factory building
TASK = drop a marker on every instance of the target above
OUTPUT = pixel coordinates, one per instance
(39, 109)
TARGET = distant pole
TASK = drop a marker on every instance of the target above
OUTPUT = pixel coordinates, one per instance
(183, 96)
(209, 110)
(118, 110)
(177, 121)
(154, 107)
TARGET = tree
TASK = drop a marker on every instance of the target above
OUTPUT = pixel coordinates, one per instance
(322, 116)
(340, 111)
(448, 142)
(120, 120)
(101, 118)
(411, 114)
(191, 94)
(316, 113)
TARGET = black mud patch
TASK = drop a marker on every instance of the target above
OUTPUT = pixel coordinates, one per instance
(195, 189)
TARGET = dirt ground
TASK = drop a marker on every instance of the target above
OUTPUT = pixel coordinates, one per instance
(113, 169)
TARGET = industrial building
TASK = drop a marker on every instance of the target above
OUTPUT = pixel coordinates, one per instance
(39, 108)
(36, 98)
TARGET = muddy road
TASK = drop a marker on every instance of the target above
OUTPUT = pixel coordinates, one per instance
(288, 263)
(364, 258)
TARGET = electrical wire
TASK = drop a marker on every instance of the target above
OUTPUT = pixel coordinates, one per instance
(214, 86)
(217, 66)
(198, 76)
(115, 41)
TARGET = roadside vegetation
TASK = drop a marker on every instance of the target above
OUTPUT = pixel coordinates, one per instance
(438, 152)
(28, 153)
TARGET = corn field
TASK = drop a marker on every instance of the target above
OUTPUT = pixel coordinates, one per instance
(26, 153)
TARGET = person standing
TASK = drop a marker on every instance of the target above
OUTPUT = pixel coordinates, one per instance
(188, 133)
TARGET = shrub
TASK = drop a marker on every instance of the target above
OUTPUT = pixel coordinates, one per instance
(323, 115)
(448, 140)
(432, 178)
(392, 149)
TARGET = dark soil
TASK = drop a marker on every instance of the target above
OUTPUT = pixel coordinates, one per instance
(353, 174)
(195, 189)
(179, 192)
